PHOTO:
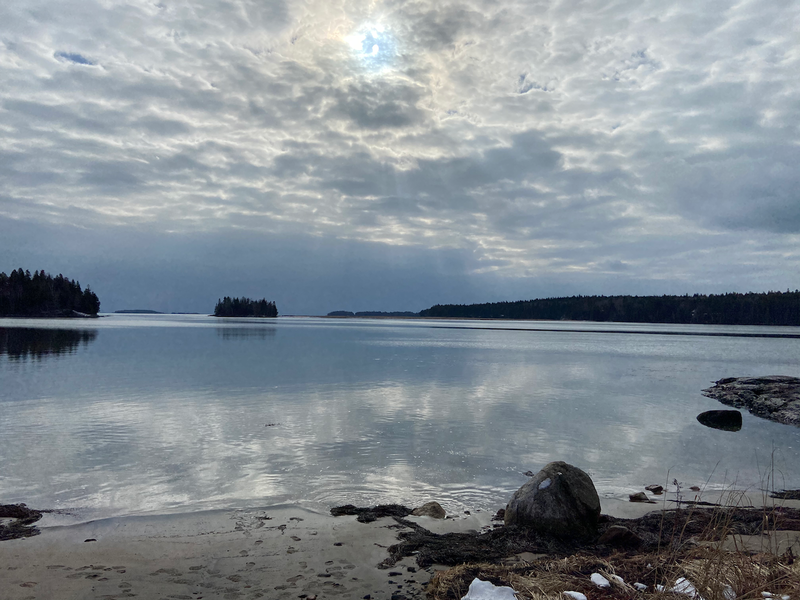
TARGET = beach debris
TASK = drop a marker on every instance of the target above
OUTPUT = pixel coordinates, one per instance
(486, 590)
(430, 509)
(21, 520)
(655, 489)
(600, 581)
(575, 595)
(560, 500)
(367, 515)
(639, 497)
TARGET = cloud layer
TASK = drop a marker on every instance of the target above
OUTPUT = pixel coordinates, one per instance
(552, 147)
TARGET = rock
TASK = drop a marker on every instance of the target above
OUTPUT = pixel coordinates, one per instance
(617, 535)
(726, 420)
(559, 500)
(600, 581)
(639, 497)
(655, 489)
(775, 397)
(429, 509)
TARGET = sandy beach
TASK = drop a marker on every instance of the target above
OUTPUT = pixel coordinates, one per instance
(277, 552)
(282, 552)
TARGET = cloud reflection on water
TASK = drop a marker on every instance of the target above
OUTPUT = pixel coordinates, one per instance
(163, 418)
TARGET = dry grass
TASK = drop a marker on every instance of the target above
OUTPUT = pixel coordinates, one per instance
(709, 569)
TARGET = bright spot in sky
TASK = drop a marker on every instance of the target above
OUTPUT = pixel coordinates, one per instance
(374, 45)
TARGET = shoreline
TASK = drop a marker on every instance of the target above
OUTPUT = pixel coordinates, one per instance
(282, 552)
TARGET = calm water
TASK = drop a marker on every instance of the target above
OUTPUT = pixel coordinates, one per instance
(136, 414)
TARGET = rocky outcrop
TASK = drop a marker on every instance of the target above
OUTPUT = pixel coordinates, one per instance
(775, 397)
(560, 500)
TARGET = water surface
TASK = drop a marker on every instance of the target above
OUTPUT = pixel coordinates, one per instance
(152, 414)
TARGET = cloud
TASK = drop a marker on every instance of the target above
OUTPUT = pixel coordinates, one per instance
(555, 143)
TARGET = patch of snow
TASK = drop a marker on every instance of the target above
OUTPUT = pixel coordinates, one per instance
(640, 586)
(575, 595)
(684, 586)
(486, 590)
(545, 484)
(600, 581)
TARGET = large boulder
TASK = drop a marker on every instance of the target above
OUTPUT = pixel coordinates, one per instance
(560, 500)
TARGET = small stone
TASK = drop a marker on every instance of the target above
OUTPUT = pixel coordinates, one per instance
(600, 581)
(430, 509)
(655, 489)
(617, 535)
(639, 497)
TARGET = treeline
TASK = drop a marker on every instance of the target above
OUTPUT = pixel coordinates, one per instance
(245, 307)
(41, 294)
(771, 308)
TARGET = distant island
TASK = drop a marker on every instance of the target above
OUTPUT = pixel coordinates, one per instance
(770, 308)
(42, 295)
(372, 313)
(138, 311)
(245, 307)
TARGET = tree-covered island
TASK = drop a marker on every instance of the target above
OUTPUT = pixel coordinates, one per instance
(770, 308)
(245, 307)
(42, 295)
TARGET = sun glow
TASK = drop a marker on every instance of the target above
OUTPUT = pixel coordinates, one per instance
(373, 44)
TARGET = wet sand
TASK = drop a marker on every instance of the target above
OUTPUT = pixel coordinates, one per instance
(284, 552)
(278, 552)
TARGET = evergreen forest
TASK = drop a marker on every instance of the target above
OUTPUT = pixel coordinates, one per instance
(42, 295)
(770, 308)
(245, 307)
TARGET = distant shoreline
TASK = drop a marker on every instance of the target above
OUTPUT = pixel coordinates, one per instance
(75, 315)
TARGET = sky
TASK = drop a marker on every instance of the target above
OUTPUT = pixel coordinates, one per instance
(368, 155)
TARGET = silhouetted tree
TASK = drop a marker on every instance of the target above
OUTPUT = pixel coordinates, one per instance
(770, 308)
(41, 294)
(245, 307)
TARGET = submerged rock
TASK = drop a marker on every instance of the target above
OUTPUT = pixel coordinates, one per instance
(559, 500)
(726, 420)
(776, 397)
